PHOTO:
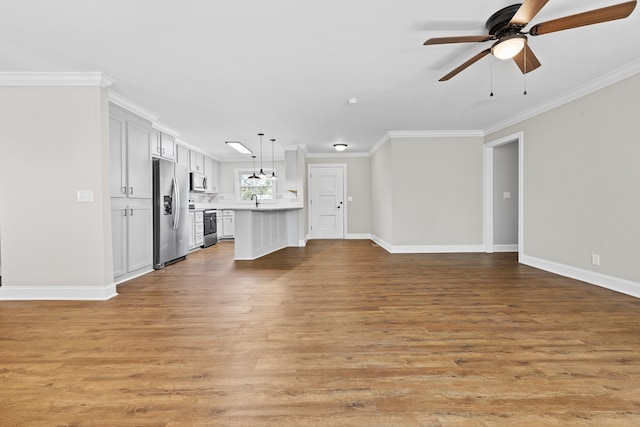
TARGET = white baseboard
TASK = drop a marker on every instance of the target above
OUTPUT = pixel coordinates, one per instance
(126, 278)
(355, 236)
(76, 293)
(427, 249)
(609, 282)
(505, 248)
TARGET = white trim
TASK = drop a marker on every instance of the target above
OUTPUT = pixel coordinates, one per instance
(487, 230)
(26, 78)
(67, 293)
(435, 133)
(386, 138)
(505, 248)
(165, 129)
(427, 249)
(336, 154)
(125, 278)
(609, 282)
(357, 236)
(131, 106)
(600, 83)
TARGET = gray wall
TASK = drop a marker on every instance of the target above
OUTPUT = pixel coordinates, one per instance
(581, 181)
(505, 179)
(54, 143)
(382, 194)
(428, 191)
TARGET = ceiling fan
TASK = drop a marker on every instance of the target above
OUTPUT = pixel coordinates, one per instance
(506, 25)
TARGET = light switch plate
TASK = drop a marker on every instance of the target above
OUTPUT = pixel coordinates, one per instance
(506, 195)
(85, 196)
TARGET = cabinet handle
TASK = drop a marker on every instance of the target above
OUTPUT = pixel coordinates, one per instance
(130, 190)
(125, 212)
(123, 190)
(131, 212)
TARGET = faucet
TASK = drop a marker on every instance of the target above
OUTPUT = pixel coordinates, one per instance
(257, 201)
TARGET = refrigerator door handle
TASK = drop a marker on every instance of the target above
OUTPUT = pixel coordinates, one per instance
(175, 200)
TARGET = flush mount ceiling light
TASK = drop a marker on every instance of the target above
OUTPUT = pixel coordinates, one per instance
(238, 147)
(352, 101)
(340, 147)
(509, 47)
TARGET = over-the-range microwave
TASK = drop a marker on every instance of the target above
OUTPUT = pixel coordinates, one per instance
(198, 182)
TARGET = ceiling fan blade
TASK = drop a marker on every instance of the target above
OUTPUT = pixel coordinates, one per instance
(526, 60)
(596, 16)
(459, 39)
(477, 57)
(527, 11)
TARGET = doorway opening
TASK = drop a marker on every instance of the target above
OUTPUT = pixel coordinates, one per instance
(503, 194)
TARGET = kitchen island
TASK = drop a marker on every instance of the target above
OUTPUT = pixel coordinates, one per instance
(265, 229)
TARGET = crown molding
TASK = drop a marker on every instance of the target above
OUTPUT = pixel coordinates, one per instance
(336, 155)
(436, 134)
(165, 129)
(28, 78)
(386, 138)
(132, 107)
(600, 83)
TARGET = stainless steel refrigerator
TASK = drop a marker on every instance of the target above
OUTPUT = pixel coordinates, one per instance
(170, 212)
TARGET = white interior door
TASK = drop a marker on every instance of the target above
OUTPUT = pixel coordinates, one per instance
(326, 202)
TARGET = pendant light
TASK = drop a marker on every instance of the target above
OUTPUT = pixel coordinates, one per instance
(261, 174)
(273, 160)
(253, 176)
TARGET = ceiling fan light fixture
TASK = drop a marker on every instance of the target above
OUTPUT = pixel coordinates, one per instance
(509, 47)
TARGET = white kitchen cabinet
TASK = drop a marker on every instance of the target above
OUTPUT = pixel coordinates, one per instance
(164, 146)
(228, 224)
(219, 224)
(182, 155)
(192, 241)
(210, 170)
(198, 228)
(196, 162)
(130, 141)
(132, 238)
(130, 159)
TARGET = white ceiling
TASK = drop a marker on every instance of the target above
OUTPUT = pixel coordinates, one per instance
(225, 70)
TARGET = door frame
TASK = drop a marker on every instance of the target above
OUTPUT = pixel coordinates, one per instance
(343, 166)
(488, 189)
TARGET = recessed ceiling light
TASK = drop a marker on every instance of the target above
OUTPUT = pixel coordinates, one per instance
(238, 147)
(352, 101)
(340, 147)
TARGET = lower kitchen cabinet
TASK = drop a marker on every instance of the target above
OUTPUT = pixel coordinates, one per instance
(228, 224)
(196, 237)
(132, 237)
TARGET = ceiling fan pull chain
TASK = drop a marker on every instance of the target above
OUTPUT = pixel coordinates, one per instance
(525, 70)
(491, 68)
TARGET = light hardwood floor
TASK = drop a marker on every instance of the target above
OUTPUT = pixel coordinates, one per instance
(339, 333)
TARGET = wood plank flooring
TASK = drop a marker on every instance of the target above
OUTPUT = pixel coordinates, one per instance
(340, 333)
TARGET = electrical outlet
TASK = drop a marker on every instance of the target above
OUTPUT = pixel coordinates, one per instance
(595, 259)
(506, 195)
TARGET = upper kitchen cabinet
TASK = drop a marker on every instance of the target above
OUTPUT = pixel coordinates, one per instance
(164, 146)
(212, 171)
(196, 162)
(182, 156)
(130, 140)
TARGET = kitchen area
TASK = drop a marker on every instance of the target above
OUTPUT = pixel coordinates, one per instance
(200, 202)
